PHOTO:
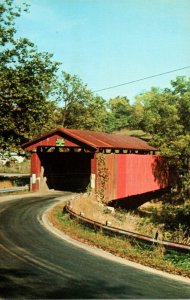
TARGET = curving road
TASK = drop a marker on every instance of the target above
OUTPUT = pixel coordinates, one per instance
(34, 263)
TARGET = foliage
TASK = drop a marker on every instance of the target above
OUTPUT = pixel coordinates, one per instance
(15, 167)
(165, 115)
(182, 261)
(103, 176)
(177, 219)
(81, 109)
(27, 79)
(169, 216)
(160, 117)
(119, 113)
(137, 115)
(8, 13)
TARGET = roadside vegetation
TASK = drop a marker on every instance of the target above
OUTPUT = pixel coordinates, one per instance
(15, 167)
(152, 256)
(12, 167)
(152, 218)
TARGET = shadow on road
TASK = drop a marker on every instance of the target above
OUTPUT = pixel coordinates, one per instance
(18, 283)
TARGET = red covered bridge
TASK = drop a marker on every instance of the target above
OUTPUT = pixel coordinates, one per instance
(76, 160)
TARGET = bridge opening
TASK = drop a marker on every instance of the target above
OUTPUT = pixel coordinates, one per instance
(66, 171)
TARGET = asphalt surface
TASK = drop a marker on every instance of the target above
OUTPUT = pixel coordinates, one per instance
(36, 264)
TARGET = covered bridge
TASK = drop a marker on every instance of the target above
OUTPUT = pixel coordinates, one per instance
(114, 166)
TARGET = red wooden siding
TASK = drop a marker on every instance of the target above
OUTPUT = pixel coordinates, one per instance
(133, 174)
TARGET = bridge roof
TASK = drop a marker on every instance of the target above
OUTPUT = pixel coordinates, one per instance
(92, 139)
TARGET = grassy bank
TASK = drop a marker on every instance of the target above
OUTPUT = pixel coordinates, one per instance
(15, 167)
(153, 256)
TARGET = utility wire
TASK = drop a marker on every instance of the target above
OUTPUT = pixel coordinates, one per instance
(141, 79)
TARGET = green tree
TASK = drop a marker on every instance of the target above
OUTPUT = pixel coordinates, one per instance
(26, 86)
(136, 115)
(161, 117)
(8, 14)
(166, 118)
(119, 113)
(180, 88)
(80, 108)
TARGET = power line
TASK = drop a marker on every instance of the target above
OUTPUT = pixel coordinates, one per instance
(141, 79)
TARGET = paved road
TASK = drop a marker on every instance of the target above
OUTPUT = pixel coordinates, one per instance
(36, 264)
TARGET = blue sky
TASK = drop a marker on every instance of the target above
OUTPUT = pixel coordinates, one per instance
(110, 42)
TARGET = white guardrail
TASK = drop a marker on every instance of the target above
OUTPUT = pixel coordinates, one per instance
(116, 231)
(14, 189)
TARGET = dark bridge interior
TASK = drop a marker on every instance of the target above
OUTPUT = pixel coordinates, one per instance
(66, 171)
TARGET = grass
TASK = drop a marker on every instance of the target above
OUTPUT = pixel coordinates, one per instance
(149, 219)
(179, 260)
(18, 168)
(136, 133)
(14, 182)
(15, 167)
(152, 256)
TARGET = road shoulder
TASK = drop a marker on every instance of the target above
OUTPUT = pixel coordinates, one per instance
(96, 251)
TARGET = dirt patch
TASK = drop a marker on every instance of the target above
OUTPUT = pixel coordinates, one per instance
(144, 220)
(6, 184)
(89, 207)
